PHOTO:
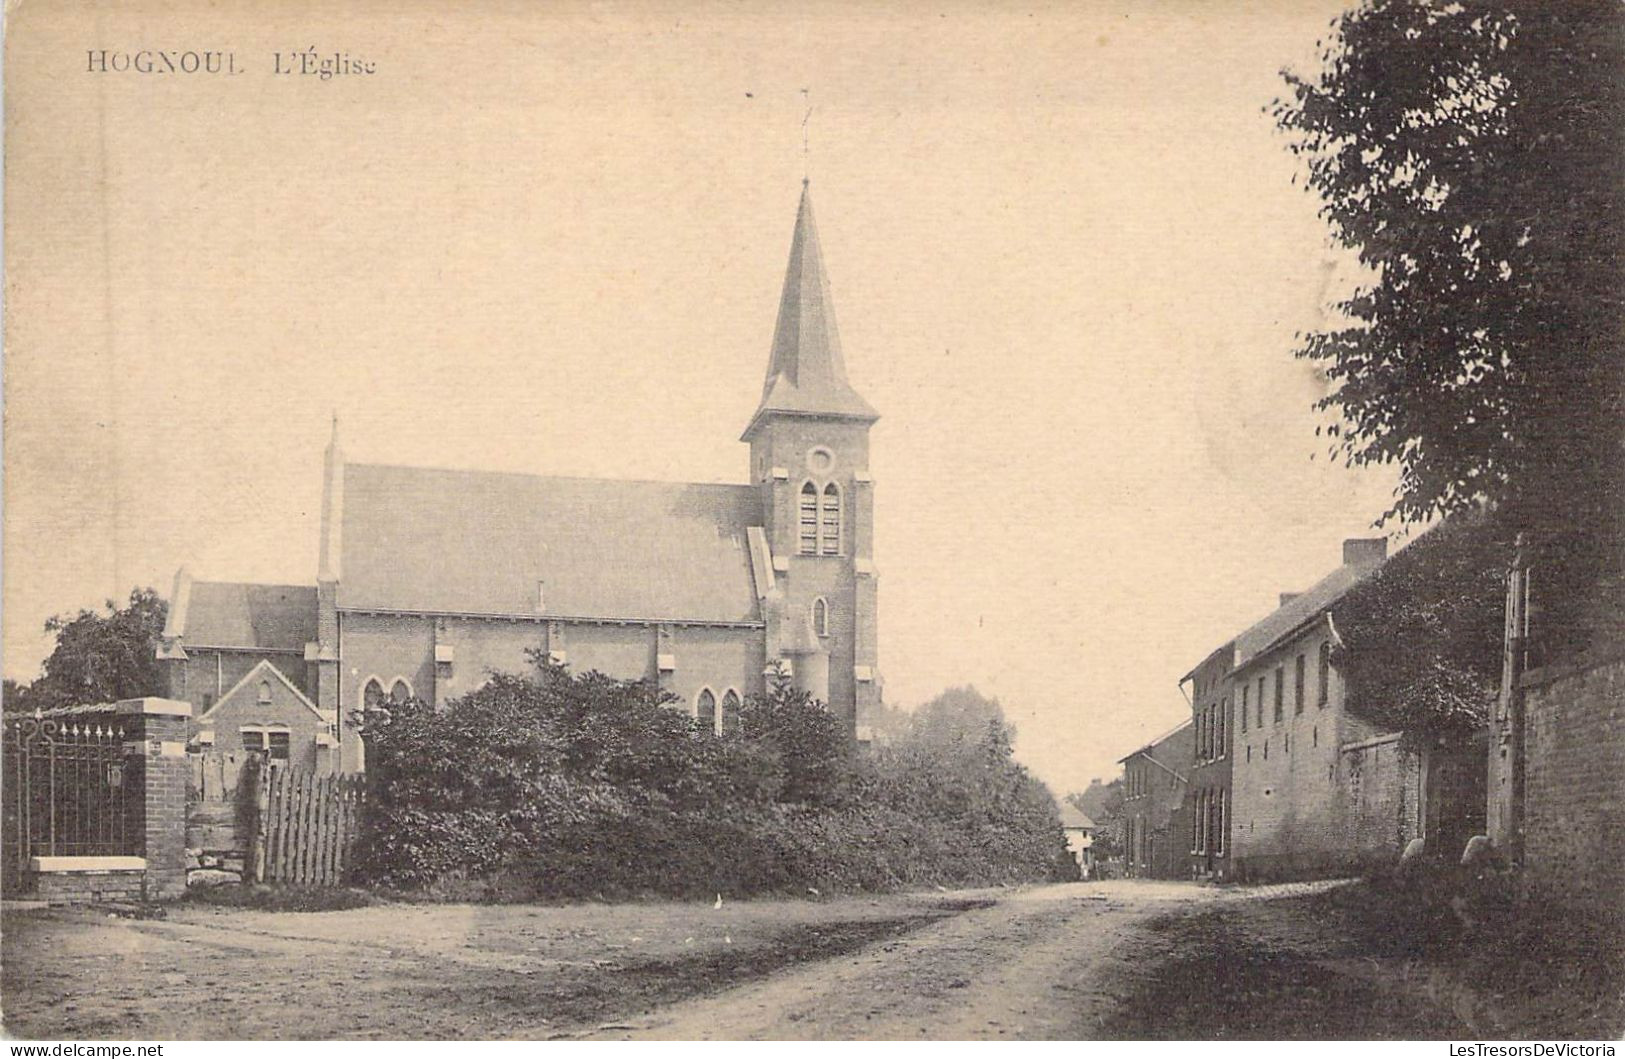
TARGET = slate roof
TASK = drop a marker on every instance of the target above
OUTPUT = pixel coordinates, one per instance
(1171, 749)
(1328, 590)
(428, 540)
(1073, 817)
(806, 373)
(265, 617)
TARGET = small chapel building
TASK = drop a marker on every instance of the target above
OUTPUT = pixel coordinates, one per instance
(431, 580)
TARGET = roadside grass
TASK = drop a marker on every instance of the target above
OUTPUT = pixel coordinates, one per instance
(1210, 978)
(1547, 972)
(612, 997)
(262, 898)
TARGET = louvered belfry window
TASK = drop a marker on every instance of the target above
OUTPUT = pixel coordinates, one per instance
(830, 535)
(809, 519)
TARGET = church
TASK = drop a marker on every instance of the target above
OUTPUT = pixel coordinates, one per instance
(431, 580)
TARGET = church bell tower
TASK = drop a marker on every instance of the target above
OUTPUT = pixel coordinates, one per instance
(809, 459)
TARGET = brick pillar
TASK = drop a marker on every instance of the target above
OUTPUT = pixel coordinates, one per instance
(156, 775)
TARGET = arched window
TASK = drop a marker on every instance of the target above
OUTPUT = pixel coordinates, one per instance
(730, 711)
(809, 519)
(372, 696)
(829, 533)
(400, 691)
(265, 691)
(706, 710)
(820, 616)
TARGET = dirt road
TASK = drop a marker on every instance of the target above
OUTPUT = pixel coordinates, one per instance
(1043, 962)
(1047, 963)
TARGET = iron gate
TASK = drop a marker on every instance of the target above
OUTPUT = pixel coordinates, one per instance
(64, 789)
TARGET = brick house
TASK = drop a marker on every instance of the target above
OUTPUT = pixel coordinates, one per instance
(1156, 815)
(430, 579)
(1214, 713)
(1316, 789)
(244, 670)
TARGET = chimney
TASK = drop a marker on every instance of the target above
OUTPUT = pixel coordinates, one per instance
(1364, 551)
(1288, 597)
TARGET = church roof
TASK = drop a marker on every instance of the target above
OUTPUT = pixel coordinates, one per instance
(234, 614)
(424, 540)
(806, 374)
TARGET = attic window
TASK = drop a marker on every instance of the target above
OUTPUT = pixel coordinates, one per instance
(541, 597)
(265, 692)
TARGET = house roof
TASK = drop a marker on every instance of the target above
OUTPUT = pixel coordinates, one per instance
(1169, 744)
(1264, 635)
(425, 540)
(234, 614)
(806, 373)
(1073, 817)
(262, 671)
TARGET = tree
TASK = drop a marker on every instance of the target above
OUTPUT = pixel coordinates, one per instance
(99, 657)
(1469, 153)
(956, 715)
(810, 745)
(1419, 641)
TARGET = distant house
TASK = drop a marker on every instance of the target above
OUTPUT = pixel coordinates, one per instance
(1156, 818)
(1214, 713)
(1080, 837)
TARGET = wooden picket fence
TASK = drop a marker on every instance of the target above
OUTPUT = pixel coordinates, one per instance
(306, 826)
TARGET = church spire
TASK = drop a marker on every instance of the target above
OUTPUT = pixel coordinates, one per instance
(805, 372)
(332, 506)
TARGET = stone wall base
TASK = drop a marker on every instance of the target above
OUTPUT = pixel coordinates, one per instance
(83, 887)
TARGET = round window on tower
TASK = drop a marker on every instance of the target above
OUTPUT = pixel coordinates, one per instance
(820, 460)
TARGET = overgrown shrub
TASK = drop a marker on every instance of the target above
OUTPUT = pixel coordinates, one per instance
(557, 786)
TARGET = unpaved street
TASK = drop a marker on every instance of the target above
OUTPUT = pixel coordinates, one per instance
(1048, 962)
(1062, 961)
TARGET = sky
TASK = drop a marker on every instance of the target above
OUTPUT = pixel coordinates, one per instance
(1067, 254)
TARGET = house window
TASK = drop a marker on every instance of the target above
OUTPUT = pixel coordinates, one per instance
(265, 692)
(1261, 700)
(830, 529)
(1280, 692)
(1244, 690)
(1224, 813)
(1324, 691)
(820, 616)
(705, 710)
(1297, 686)
(400, 691)
(263, 741)
(730, 711)
(372, 696)
(809, 519)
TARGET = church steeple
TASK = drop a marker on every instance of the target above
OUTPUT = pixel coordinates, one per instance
(806, 374)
